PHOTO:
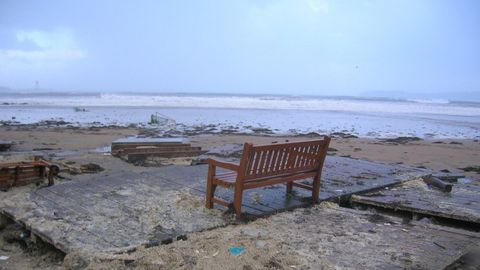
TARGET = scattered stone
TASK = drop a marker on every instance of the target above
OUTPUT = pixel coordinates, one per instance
(262, 131)
(330, 149)
(273, 264)
(5, 145)
(253, 233)
(454, 142)
(78, 109)
(343, 135)
(402, 140)
(471, 169)
(261, 244)
(445, 171)
(44, 149)
(91, 168)
(309, 135)
(226, 151)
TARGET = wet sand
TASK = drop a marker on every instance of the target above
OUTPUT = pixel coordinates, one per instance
(443, 154)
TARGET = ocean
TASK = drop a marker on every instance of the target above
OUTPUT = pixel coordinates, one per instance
(364, 117)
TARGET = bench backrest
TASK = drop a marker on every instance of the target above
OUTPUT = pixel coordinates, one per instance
(266, 161)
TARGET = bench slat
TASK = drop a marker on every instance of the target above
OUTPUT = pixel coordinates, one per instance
(277, 180)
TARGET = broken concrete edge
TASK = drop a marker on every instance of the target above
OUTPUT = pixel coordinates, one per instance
(401, 179)
(7, 217)
(359, 199)
(459, 253)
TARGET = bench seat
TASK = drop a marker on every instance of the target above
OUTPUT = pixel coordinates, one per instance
(267, 165)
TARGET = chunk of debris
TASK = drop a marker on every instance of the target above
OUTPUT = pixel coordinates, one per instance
(454, 142)
(471, 169)
(154, 151)
(5, 145)
(402, 140)
(91, 168)
(429, 179)
(343, 135)
(26, 172)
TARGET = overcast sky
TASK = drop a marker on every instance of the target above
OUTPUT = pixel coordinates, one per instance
(314, 47)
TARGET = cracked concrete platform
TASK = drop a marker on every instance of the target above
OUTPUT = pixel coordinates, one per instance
(126, 206)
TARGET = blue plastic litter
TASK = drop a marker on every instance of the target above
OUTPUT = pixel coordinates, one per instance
(236, 250)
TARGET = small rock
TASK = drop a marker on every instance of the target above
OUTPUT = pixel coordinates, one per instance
(261, 244)
(254, 233)
(402, 140)
(91, 168)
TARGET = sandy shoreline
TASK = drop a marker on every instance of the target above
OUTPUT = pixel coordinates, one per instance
(437, 154)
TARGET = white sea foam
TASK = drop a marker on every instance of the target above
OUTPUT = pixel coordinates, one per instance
(438, 107)
(282, 114)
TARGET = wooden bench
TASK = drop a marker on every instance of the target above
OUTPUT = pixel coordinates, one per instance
(266, 165)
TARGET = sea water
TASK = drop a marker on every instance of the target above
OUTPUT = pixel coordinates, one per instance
(282, 114)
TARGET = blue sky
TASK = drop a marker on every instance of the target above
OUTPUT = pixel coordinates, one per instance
(416, 48)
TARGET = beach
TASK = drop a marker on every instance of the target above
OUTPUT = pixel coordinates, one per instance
(437, 154)
(249, 114)
(66, 145)
(71, 135)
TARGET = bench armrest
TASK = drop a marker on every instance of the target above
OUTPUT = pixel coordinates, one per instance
(223, 164)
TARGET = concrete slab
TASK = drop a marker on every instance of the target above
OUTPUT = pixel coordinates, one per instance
(126, 206)
(462, 204)
(321, 237)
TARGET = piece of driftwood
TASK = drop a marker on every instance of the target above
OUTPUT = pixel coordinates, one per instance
(267, 165)
(24, 173)
(434, 181)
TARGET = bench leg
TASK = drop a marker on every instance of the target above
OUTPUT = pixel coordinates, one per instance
(210, 194)
(51, 182)
(316, 189)
(237, 201)
(210, 188)
(289, 187)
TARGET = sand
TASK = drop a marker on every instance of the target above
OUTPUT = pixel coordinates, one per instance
(442, 154)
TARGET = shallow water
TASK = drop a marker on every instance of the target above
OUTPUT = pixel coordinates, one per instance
(282, 114)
